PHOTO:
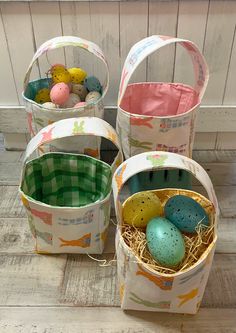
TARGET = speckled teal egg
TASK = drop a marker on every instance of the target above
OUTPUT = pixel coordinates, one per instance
(185, 213)
(165, 242)
(91, 83)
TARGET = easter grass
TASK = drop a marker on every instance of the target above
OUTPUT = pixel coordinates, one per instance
(195, 244)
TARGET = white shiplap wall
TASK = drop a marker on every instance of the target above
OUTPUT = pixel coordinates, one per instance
(116, 26)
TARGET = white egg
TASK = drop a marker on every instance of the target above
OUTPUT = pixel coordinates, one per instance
(93, 96)
(49, 105)
(72, 100)
(80, 90)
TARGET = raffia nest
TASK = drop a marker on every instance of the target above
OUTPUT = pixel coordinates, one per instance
(195, 244)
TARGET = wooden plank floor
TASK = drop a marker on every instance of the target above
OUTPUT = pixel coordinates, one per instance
(72, 293)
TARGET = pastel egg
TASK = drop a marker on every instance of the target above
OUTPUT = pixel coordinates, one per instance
(80, 90)
(92, 97)
(49, 105)
(61, 75)
(59, 93)
(71, 101)
(140, 208)
(57, 67)
(91, 83)
(165, 242)
(77, 74)
(185, 213)
(80, 105)
(42, 96)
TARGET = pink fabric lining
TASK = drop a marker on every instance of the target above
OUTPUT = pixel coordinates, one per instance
(159, 99)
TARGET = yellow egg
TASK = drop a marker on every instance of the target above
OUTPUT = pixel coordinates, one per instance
(61, 75)
(77, 74)
(43, 96)
(57, 67)
(140, 208)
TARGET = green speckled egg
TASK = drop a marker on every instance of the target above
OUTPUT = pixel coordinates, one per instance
(165, 242)
(185, 213)
(140, 208)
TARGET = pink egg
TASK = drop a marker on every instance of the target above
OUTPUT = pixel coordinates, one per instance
(59, 93)
(80, 104)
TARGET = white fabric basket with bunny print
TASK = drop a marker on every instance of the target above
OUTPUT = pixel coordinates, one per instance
(40, 116)
(67, 196)
(141, 287)
(156, 115)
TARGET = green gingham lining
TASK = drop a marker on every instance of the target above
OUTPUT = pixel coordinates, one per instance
(59, 179)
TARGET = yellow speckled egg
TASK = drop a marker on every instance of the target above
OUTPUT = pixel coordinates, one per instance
(43, 96)
(77, 74)
(57, 67)
(61, 75)
(140, 208)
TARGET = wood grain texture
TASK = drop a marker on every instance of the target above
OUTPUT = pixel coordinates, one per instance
(86, 283)
(1, 143)
(7, 156)
(132, 16)
(28, 279)
(8, 95)
(226, 196)
(112, 320)
(220, 290)
(75, 17)
(221, 173)
(206, 141)
(18, 28)
(10, 173)
(163, 16)
(47, 15)
(214, 119)
(191, 27)
(105, 32)
(15, 236)
(226, 236)
(229, 95)
(217, 47)
(16, 141)
(10, 204)
(31, 279)
(224, 156)
(223, 142)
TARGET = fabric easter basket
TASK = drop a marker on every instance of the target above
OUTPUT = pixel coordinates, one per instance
(39, 116)
(159, 116)
(142, 287)
(67, 196)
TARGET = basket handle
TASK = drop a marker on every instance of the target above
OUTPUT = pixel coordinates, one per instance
(75, 127)
(63, 41)
(157, 160)
(148, 45)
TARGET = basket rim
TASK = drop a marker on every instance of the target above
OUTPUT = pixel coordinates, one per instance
(199, 261)
(134, 115)
(30, 199)
(62, 110)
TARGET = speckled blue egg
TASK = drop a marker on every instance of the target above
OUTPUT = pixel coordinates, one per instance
(165, 242)
(91, 83)
(185, 213)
